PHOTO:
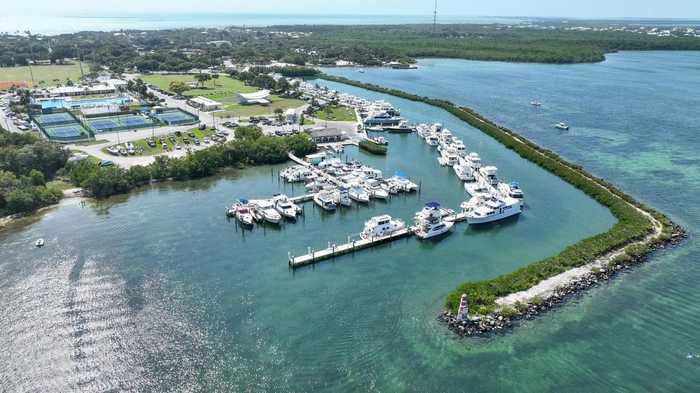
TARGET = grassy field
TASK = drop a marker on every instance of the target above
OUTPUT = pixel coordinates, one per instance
(48, 74)
(336, 113)
(151, 151)
(224, 90)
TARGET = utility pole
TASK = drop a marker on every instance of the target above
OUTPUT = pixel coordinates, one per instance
(435, 18)
(80, 61)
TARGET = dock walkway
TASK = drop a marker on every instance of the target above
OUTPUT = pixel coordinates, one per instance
(334, 250)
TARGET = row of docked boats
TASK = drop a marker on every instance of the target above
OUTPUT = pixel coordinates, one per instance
(248, 212)
(431, 222)
(491, 200)
(335, 183)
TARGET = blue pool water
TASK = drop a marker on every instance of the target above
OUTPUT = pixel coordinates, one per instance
(69, 103)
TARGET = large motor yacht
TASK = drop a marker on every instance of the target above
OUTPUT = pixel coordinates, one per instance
(482, 209)
(381, 226)
(286, 207)
(431, 223)
(325, 200)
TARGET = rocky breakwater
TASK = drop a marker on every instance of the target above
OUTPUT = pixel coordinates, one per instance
(507, 317)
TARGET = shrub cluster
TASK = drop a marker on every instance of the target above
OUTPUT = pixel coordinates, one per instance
(249, 148)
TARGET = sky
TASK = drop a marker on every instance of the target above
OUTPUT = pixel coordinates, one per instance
(684, 9)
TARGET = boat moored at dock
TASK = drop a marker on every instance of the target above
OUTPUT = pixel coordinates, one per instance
(381, 226)
(485, 209)
(325, 200)
(430, 222)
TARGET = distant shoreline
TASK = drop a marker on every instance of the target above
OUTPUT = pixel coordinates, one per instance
(67, 24)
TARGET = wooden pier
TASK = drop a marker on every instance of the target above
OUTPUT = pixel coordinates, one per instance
(302, 198)
(334, 250)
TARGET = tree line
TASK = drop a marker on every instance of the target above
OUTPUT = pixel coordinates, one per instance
(26, 163)
(250, 147)
(185, 49)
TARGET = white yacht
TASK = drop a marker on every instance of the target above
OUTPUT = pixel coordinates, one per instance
(474, 161)
(39, 243)
(477, 188)
(286, 207)
(562, 126)
(402, 128)
(375, 189)
(341, 197)
(483, 209)
(325, 200)
(448, 157)
(243, 213)
(382, 118)
(268, 211)
(489, 174)
(422, 130)
(459, 148)
(404, 184)
(432, 139)
(512, 190)
(381, 226)
(359, 194)
(430, 222)
(463, 171)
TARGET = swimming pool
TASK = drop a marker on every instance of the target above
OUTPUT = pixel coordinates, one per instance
(73, 103)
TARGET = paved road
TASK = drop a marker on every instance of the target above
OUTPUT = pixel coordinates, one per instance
(5, 121)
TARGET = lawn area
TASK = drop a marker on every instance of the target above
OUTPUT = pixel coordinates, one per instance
(151, 151)
(238, 110)
(46, 73)
(223, 90)
(336, 113)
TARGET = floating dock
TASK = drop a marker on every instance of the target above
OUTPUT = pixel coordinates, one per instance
(334, 250)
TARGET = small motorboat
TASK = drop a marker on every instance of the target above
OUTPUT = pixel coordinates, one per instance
(562, 126)
(39, 243)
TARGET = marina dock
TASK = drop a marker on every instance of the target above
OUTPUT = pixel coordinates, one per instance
(334, 250)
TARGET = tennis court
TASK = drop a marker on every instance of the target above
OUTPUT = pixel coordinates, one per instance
(176, 117)
(66, 132)
(54, 119)
(117, 123)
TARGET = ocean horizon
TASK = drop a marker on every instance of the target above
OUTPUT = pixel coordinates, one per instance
(54, 25)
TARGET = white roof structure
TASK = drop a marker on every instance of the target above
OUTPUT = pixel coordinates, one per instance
(204, 101)
(259, 97)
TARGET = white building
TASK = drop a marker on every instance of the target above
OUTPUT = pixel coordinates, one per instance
(205, 104)
(261, 97)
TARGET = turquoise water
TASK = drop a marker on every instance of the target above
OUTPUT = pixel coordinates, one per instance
(156, 291)
(158, 288)
(634, 121)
